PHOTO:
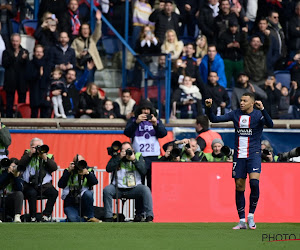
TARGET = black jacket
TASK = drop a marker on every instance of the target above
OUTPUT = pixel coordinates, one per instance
(218, 94)
(46, 38)
(38, 84)
(272, 103)
(7, 178)
(206, 23)
(15, 70)
(57, 56)
(87, 102)
(164, 23)
(233, 54)
(63, 182)
(294, 34)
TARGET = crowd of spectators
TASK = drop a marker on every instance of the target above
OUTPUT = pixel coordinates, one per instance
(242, 42)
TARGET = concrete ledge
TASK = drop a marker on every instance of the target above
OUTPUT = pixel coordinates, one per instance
(117, 124)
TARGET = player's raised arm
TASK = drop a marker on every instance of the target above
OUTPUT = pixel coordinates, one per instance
(267, 119)
(212, 117)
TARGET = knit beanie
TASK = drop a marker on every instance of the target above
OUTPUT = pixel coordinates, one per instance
(217, 141)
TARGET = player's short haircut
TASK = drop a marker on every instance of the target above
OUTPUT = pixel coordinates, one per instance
(203, 120)
(251, 95)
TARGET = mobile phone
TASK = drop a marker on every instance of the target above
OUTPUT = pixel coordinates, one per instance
(53, 16)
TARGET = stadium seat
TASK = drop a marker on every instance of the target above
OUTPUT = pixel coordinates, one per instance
(24, 110)
(283, 76)
(28, 42)
(153, 92)
(110, 44)
(135, 94)
(29, 26)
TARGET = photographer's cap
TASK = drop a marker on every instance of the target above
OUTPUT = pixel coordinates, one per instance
(217, 141)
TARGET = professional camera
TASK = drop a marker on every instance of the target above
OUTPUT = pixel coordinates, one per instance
(295, 152)
(187, 146)
(128, 152)
(42, 149)
(264, 154)
(149, 117)
(115, 147)
(175, 152)
(5, 163)
(227, 151)
(80, 165)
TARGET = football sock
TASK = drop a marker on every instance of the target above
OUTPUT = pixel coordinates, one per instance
(240, 203)
(254, 195)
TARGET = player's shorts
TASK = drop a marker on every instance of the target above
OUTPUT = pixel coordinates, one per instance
(243, 166)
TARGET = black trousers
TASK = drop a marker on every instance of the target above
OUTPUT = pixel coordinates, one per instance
(10, 98)
(13, 204)
(30, 194)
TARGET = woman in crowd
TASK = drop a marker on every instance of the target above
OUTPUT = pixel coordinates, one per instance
(85, 47)
(201, 48)
(46, 34)
(90, 102)
(188, 100)
(172, 45)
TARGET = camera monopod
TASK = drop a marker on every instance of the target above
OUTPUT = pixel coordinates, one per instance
(117, 193)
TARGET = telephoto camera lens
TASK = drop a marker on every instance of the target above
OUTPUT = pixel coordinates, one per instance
(129, 152)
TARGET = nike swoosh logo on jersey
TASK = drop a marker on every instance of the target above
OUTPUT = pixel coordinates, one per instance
(255, 169)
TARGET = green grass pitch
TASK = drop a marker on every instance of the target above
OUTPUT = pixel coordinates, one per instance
(143, 236)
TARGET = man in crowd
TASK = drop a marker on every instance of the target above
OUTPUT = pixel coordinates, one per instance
(14, 60)
(77, 183)
(73, 86)
(217, 93)
(244, 86)
(213, 62)
(125, 105)
(164, 20)
(37, 166)
(205, 135)
(37, 75)
(62, 55)
(127, 169)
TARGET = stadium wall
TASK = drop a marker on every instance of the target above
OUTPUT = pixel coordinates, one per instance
(65, 144)
(205, 192)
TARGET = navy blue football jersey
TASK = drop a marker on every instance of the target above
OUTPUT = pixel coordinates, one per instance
(248, 130)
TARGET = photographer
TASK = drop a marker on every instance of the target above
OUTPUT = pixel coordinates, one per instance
(38, 166)
(191, 151)
(130, 168)
(217, 155)
(173, 153)
(267, 154)
(77, 183)
(5, 140)
(144, 130)
(290, 156)
(12, 186)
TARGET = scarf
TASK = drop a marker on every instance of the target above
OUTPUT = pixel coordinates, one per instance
(215, 9)
(75, 22)
(193, 90)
